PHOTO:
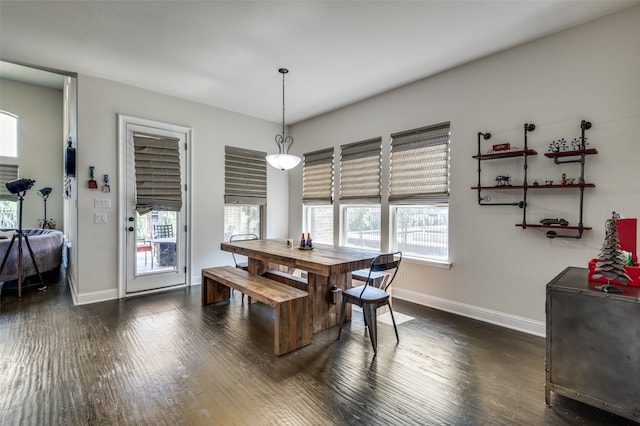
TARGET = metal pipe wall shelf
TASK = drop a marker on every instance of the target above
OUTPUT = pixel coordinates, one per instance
(589, 151)
(507, 154)
(556, 186)
(578, 228)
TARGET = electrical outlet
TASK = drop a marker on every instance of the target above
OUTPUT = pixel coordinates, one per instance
(102, 203)
(100, 218)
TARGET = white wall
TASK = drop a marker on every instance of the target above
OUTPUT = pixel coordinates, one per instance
(39, 111)
(99, 102)
(499, 271)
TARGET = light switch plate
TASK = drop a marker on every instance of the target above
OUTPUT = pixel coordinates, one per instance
(100, 218)
(102, 203)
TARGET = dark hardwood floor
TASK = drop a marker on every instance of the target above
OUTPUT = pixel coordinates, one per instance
(164, 359)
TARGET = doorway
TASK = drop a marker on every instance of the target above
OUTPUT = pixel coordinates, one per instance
(154, 170)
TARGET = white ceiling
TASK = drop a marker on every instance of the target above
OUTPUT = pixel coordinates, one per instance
(227, 53)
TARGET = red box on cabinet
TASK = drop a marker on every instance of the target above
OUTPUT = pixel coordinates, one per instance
(627, 232)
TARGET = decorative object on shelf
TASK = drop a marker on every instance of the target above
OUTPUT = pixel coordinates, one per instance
(283, 160)
(535, 183)
(557, 146)
(556, 221)
(106, 187)
(503, 181)
(92, 183)
(611, 262)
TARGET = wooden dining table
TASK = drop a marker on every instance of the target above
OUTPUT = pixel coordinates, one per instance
(328, 271)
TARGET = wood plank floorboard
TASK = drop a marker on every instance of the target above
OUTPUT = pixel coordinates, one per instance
(164, 359)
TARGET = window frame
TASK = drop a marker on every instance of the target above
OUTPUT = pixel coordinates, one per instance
(237, 174)
(423, 198)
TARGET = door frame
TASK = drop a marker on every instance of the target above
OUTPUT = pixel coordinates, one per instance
(123, 224)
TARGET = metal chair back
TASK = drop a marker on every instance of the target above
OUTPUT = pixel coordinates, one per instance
(387, 262)
(241, 237)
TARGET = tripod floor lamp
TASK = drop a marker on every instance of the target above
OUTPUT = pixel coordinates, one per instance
(20, 188)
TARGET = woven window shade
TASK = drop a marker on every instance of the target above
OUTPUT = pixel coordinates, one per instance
(360, 169)
(8, 172)
(245, 176)
(420, 166)
(157, 166)
(317, 177)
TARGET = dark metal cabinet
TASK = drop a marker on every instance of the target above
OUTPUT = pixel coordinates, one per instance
(593, 344)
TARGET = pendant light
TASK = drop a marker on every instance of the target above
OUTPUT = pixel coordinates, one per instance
(283, 160)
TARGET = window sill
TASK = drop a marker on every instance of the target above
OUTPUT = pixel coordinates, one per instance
(427, 262)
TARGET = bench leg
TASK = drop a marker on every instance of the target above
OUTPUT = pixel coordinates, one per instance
(293, 325)
(213, 291)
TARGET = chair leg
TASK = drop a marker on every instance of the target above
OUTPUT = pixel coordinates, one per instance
(369, 311)
(341, 322)
(394, 322)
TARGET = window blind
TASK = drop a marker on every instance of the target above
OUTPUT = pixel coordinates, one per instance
(360, 169)
(245, 176)
(317, 177)
(420, 165)
(8, 172)
(157, 168)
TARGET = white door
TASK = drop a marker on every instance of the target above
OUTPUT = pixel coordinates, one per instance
(155, 242)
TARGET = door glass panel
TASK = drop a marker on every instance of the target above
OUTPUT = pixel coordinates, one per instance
(156, 244)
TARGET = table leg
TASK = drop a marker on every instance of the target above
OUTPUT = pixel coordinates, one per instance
(325, 313)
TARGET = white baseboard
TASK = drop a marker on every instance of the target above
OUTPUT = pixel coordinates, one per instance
(514, 322)
(95, 296)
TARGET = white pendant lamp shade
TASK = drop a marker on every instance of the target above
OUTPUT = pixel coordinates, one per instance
(283, 160)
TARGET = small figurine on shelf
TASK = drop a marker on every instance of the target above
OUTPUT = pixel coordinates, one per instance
(503, 181)
(548, 182)
(570, 181)
(564, 178)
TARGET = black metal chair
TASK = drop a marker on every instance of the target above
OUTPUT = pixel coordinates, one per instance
(370, 298)
(241, 237)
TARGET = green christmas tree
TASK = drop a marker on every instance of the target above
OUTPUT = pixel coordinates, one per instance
(610, 259)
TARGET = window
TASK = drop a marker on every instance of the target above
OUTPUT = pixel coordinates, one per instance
(361, 226)
(317, 195)
(419, 192)
(8, 134)
(245, 191)
(360, 168)
(319, 221)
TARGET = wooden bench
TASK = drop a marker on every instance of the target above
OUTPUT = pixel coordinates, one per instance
(293, 308)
